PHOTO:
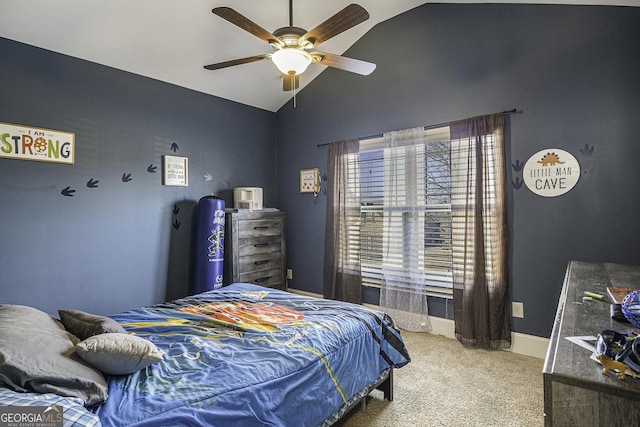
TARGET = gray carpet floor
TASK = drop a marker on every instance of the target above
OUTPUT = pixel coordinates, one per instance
(449, 385)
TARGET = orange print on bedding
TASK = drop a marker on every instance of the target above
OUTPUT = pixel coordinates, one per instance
(246, 314)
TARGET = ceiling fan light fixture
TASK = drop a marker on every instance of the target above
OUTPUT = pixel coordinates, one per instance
(291, 61)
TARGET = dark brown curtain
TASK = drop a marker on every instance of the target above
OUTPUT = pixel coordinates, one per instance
(480, 232)
(342, 280)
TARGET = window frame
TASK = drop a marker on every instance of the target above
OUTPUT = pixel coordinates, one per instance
(439, 284)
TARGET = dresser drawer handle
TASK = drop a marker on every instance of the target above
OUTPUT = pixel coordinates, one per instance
(261, 227)
(262, 279)
(261, 245)
(261, 262)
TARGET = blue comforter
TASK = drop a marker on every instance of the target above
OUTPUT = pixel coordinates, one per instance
(246, 355)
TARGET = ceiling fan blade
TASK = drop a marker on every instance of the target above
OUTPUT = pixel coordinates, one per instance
(348, 17)
(347, 64)
(290, 82)
(240, 61)
(246, 24)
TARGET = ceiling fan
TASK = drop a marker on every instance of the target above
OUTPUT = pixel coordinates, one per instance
(295, 47)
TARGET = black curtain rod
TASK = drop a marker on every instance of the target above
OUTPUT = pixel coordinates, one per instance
(512, 111)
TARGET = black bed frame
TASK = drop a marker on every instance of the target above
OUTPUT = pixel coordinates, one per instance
(385, 385)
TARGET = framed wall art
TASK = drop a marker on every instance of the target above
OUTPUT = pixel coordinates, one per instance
(175, 171)
(310, 180)
(24, 142)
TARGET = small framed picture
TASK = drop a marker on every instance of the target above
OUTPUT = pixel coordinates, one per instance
(310, 180)
(176, 171)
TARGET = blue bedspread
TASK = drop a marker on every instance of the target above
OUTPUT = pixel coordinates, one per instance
(246, 355)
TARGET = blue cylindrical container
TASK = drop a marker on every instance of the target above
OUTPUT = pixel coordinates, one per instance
(209, 251)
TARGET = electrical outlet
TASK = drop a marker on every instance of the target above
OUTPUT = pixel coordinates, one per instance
(289, 274)
(517, 309)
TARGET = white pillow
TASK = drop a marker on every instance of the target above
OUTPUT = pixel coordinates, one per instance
(118, 354)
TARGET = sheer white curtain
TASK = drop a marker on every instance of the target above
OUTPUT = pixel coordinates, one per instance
(403, 277)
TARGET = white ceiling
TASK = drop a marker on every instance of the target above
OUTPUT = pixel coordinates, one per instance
(171, 40)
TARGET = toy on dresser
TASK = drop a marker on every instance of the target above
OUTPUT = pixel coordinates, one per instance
(613, 365)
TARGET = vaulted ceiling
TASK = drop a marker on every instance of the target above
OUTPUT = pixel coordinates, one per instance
(172, 40)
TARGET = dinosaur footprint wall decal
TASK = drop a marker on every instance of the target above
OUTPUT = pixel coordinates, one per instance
(517, 183)
(517, 166)
(587, 151)
(67, 192)
(126, 177)
(176, 224)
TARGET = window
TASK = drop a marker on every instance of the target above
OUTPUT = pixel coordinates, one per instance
(426, 201)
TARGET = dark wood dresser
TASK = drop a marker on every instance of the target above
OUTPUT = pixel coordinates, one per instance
(254, 248)
(576, 393)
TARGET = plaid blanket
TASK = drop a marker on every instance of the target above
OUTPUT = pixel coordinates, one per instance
(74, 412)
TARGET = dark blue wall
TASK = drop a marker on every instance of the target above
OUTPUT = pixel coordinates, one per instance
(122, 244)
(572, 71)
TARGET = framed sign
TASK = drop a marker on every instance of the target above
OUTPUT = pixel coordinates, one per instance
(176, 171)
(310, 180)
(551, 172)
(44, 145)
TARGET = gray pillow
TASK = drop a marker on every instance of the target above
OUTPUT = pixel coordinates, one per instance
(118, 354)
(84, 325)
(37, 355)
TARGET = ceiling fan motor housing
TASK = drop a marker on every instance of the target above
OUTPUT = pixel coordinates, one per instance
(290, 36)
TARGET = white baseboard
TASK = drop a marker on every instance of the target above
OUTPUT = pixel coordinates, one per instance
(529, 345)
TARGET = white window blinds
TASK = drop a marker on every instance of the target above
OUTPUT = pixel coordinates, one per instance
(405, 212)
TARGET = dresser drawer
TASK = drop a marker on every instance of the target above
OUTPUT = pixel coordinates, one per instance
(255, 250)
(260, 227)
(270, 278)
(259, 245)
(260, 262)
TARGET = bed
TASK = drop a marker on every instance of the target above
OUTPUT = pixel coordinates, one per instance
(243, 355)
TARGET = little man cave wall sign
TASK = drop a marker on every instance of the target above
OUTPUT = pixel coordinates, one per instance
(551, 172)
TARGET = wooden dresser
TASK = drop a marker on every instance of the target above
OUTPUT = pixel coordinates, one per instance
(576, 393)
(254, 248)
